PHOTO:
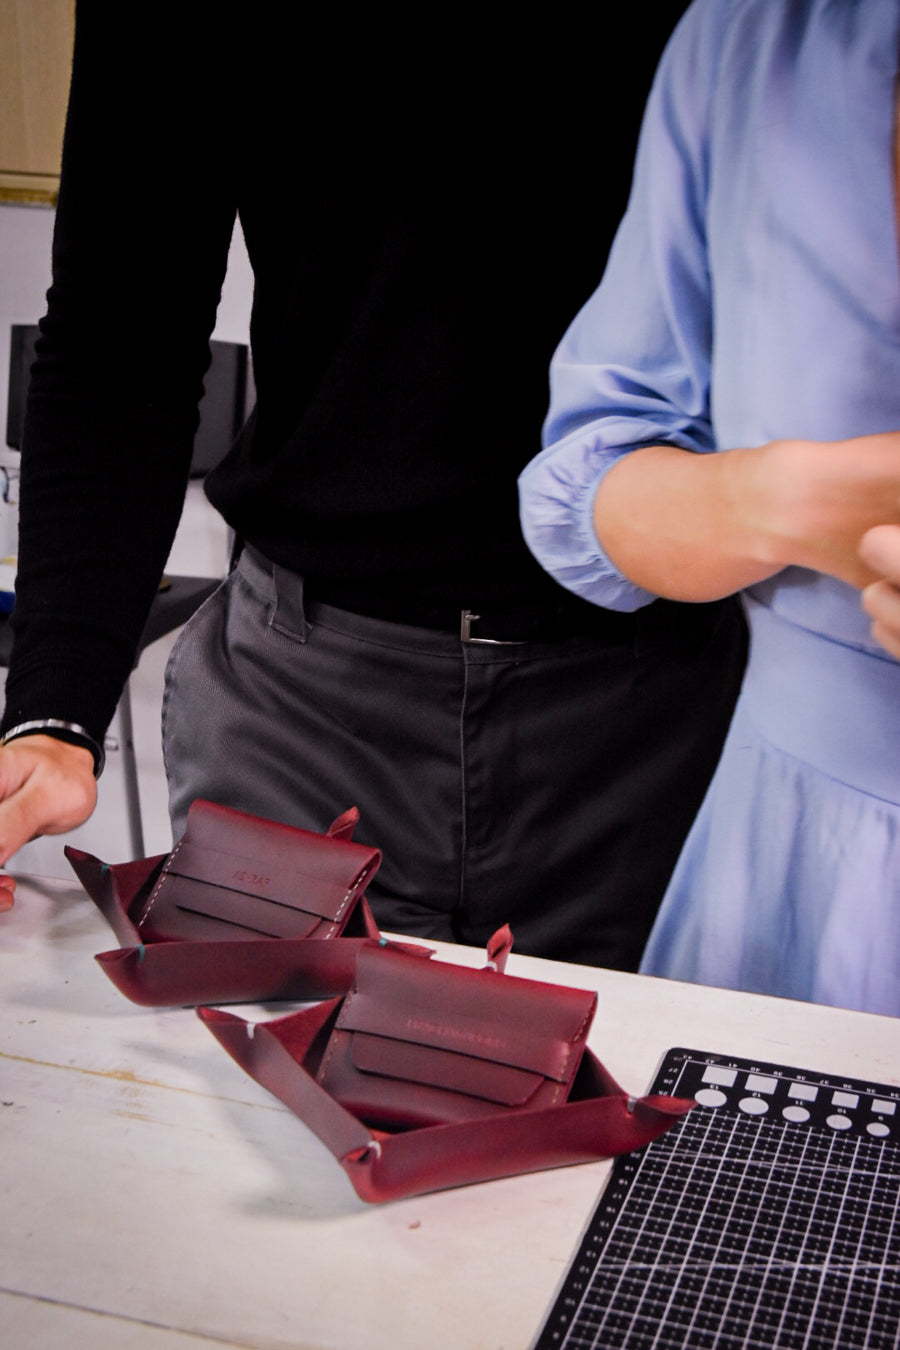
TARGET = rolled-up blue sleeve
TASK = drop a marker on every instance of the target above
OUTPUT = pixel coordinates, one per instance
(634, 367)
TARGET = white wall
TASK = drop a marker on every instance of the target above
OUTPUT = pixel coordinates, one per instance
(25, 236)
(200, 548)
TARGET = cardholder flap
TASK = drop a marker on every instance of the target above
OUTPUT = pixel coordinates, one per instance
(425, 1065)
(246, 878)
(501, 1019)
(261, 875)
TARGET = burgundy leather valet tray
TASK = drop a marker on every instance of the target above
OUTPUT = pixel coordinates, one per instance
(427, 1075)
(242, 910)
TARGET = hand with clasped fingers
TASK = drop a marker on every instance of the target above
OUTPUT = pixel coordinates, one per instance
(822, 497)
(46, 787)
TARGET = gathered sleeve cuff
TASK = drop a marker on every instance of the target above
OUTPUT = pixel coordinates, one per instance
(557, 492)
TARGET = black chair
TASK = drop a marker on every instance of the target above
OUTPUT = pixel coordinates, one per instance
(228, 393)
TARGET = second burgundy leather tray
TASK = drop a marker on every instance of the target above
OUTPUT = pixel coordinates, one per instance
(428, 1075)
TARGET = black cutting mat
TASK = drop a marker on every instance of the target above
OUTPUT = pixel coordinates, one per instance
(769, 1217)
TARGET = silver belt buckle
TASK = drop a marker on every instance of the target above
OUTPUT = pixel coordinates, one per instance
(467, 618)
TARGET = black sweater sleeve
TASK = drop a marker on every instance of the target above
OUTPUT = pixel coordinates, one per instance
(143, 224)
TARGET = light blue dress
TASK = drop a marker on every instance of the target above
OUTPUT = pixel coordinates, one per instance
(753, 293)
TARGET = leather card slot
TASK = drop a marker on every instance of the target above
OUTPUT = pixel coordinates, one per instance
(443, 1069)
(523, 1023)
(493, 1039)
(246, 911)
(293, 889)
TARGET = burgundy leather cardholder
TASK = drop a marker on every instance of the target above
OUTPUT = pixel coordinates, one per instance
(242, 910)
(235, 875)
(408, 1050)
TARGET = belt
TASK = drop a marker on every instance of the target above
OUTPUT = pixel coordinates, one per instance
(484, 627)
(474, 625)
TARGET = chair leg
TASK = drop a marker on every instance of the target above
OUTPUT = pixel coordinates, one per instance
(129, 770)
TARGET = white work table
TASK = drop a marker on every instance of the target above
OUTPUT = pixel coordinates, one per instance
(154, 1197)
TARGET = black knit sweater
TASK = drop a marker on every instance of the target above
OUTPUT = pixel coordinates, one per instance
(424, 213)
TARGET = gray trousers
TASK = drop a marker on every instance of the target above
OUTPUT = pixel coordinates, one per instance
(548, 785)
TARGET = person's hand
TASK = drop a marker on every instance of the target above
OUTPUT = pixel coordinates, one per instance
(819, 498)
(46, 787)
(880, 552)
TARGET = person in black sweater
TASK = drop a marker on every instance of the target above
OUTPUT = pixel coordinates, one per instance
(423, 214)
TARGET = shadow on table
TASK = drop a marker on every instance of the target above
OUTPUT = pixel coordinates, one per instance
(307, 1182)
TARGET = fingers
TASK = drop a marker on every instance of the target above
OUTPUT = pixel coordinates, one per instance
(7, 893)
(881, 602)
(880, 551)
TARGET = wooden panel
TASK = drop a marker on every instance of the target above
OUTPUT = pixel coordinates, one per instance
(36, 41)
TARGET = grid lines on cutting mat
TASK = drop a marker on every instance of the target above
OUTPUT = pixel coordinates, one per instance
(746, 1226)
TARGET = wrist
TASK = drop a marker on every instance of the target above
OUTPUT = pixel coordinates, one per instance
(71, 733)
(751, 503)
(770, 491)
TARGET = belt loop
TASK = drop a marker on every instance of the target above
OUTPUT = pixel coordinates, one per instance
(288, 615)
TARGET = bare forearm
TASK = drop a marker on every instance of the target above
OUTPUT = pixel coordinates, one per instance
(668, 519)
(696, 527)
